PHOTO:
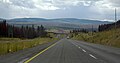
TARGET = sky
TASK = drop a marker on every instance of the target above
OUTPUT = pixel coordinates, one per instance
(82, 9)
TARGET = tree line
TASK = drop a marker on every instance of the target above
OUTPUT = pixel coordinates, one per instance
(102, 27)
(7, 30)
(109, 26)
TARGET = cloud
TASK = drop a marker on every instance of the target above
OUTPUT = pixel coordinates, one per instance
(115, 3)
(61, 4)
(48, 4)
(20, 3)
(23, 3)
(45, 5)
(98, 9)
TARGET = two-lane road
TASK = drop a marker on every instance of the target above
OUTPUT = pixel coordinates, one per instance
(69, 51)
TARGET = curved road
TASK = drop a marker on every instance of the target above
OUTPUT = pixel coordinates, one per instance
(71, 51)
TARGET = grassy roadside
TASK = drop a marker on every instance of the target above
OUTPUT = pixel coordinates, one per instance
(110, 38)
(8, 45)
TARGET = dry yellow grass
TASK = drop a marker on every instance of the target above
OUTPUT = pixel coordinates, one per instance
(8, 45)
(110, 38)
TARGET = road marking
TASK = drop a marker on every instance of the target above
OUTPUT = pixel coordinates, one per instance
(92, 56)
(23, 60)
(78, 47)
(40, 53)
(83, 50)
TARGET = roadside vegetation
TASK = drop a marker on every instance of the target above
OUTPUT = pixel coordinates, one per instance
(15, 38)
(108, 37)
(9, 45)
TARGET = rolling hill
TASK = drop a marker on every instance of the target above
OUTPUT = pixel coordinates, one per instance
(61, 23)
(63, 20)
(1, 19)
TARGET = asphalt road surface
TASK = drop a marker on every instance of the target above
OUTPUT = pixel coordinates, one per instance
(23, 55)
(71, 51)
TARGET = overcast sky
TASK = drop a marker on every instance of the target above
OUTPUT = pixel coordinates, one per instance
(83, 9)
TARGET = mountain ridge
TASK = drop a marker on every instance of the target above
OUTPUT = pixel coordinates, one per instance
(65, 20)
(60, 23)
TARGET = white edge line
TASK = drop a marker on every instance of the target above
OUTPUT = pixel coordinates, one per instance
(83, 50)
(92, 56)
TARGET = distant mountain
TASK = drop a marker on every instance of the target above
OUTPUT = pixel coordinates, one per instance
(27, 19)
(80, 21)
(62, 20)
(109, 26)
(60, 23)
(1, 19)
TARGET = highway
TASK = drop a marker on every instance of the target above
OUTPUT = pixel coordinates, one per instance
(72, 51)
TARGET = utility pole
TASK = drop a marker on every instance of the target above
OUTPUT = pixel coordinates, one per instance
(115, 17)
(12, 30)
(92, 30)
(92, 33)
(115, 21)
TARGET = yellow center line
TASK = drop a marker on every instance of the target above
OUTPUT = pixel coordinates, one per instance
(39, 53)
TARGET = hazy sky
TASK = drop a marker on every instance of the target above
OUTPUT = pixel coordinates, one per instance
(84, 9)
